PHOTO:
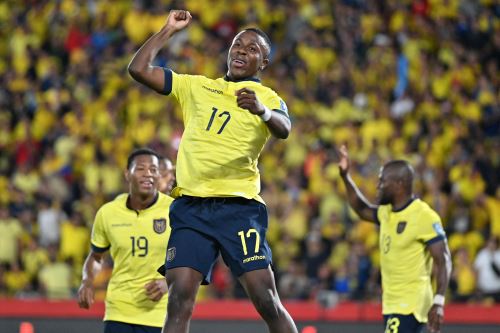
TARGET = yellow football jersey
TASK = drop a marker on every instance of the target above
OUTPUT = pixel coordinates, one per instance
(137, 241)
(221, 142)
(405, 262)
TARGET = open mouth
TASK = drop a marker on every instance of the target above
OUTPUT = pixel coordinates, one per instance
(146, 184)
(238, 63)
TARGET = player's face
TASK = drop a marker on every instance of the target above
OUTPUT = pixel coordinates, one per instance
(167, 176)
(247, 55)
(385, 188)
(143, 175)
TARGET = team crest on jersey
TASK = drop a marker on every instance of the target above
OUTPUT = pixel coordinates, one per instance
(401, 227)
(171, 254)
(159, 225)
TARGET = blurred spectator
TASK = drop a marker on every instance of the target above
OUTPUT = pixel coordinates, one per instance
(49, 219)
(16, 279)
(293, 283)
(487, 266)
(463, 279)
(3, 286)
(342, 282)
(74, 239)
(10, 237)
(362, 270)
(492, 206)
(33, 259)
(315, 254)
(55, 277)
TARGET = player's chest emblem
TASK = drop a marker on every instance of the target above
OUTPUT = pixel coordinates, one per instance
(401, 227)
(159, 225)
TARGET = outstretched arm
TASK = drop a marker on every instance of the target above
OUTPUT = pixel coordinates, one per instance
(279, 125)
(357, 200)
(141, 68)
(86, 290)
(442, 259)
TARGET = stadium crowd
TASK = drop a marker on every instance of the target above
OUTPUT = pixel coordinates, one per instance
(414, 79)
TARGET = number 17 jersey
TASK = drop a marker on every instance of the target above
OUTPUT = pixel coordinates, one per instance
(221, 142)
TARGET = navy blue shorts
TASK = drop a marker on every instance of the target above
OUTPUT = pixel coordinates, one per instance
(397, 323)
(202, 228)
(119, 327)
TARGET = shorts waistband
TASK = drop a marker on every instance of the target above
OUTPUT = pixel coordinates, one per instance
(218, 199)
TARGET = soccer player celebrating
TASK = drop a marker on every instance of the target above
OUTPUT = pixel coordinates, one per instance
(217, 209)
(411, 237)
(135, 229)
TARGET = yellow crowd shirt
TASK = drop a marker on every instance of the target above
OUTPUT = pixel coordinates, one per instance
(221, 142)
(405, 262)
(137, 241)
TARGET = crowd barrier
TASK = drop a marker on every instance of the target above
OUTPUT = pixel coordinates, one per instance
(243, 310)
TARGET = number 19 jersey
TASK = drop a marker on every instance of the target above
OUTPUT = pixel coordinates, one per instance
(137, 241)
(221, 142)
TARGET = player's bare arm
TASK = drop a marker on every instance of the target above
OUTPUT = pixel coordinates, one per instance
(442, 259)
(86, 290)
(155, 289)
(279, 125)
(141, 68)
(357, 200)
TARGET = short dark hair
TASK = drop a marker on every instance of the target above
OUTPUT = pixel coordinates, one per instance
(401, 170)
(261, 34)
(140, 151)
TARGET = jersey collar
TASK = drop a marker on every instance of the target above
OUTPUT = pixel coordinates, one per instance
(254, 79)
(405, 205)
(127, 202)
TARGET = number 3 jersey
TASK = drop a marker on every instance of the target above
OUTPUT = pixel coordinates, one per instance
(405, 261)
(221, 142)
(137, 241)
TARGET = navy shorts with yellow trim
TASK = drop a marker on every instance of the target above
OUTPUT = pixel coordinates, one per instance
(398, 323)
(202, 228)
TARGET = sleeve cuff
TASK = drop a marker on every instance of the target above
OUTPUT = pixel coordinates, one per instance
(98, 249)
(167, 88)
(162, 270)
(435, 240)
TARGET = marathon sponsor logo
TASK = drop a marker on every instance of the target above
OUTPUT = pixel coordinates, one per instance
(254, 258)
(213, 90)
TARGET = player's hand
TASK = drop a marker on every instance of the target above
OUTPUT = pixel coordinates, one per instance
(178, 20)
(86, 295)
(156, 289)
(246, 99)
(435, 318)
(343, 159)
